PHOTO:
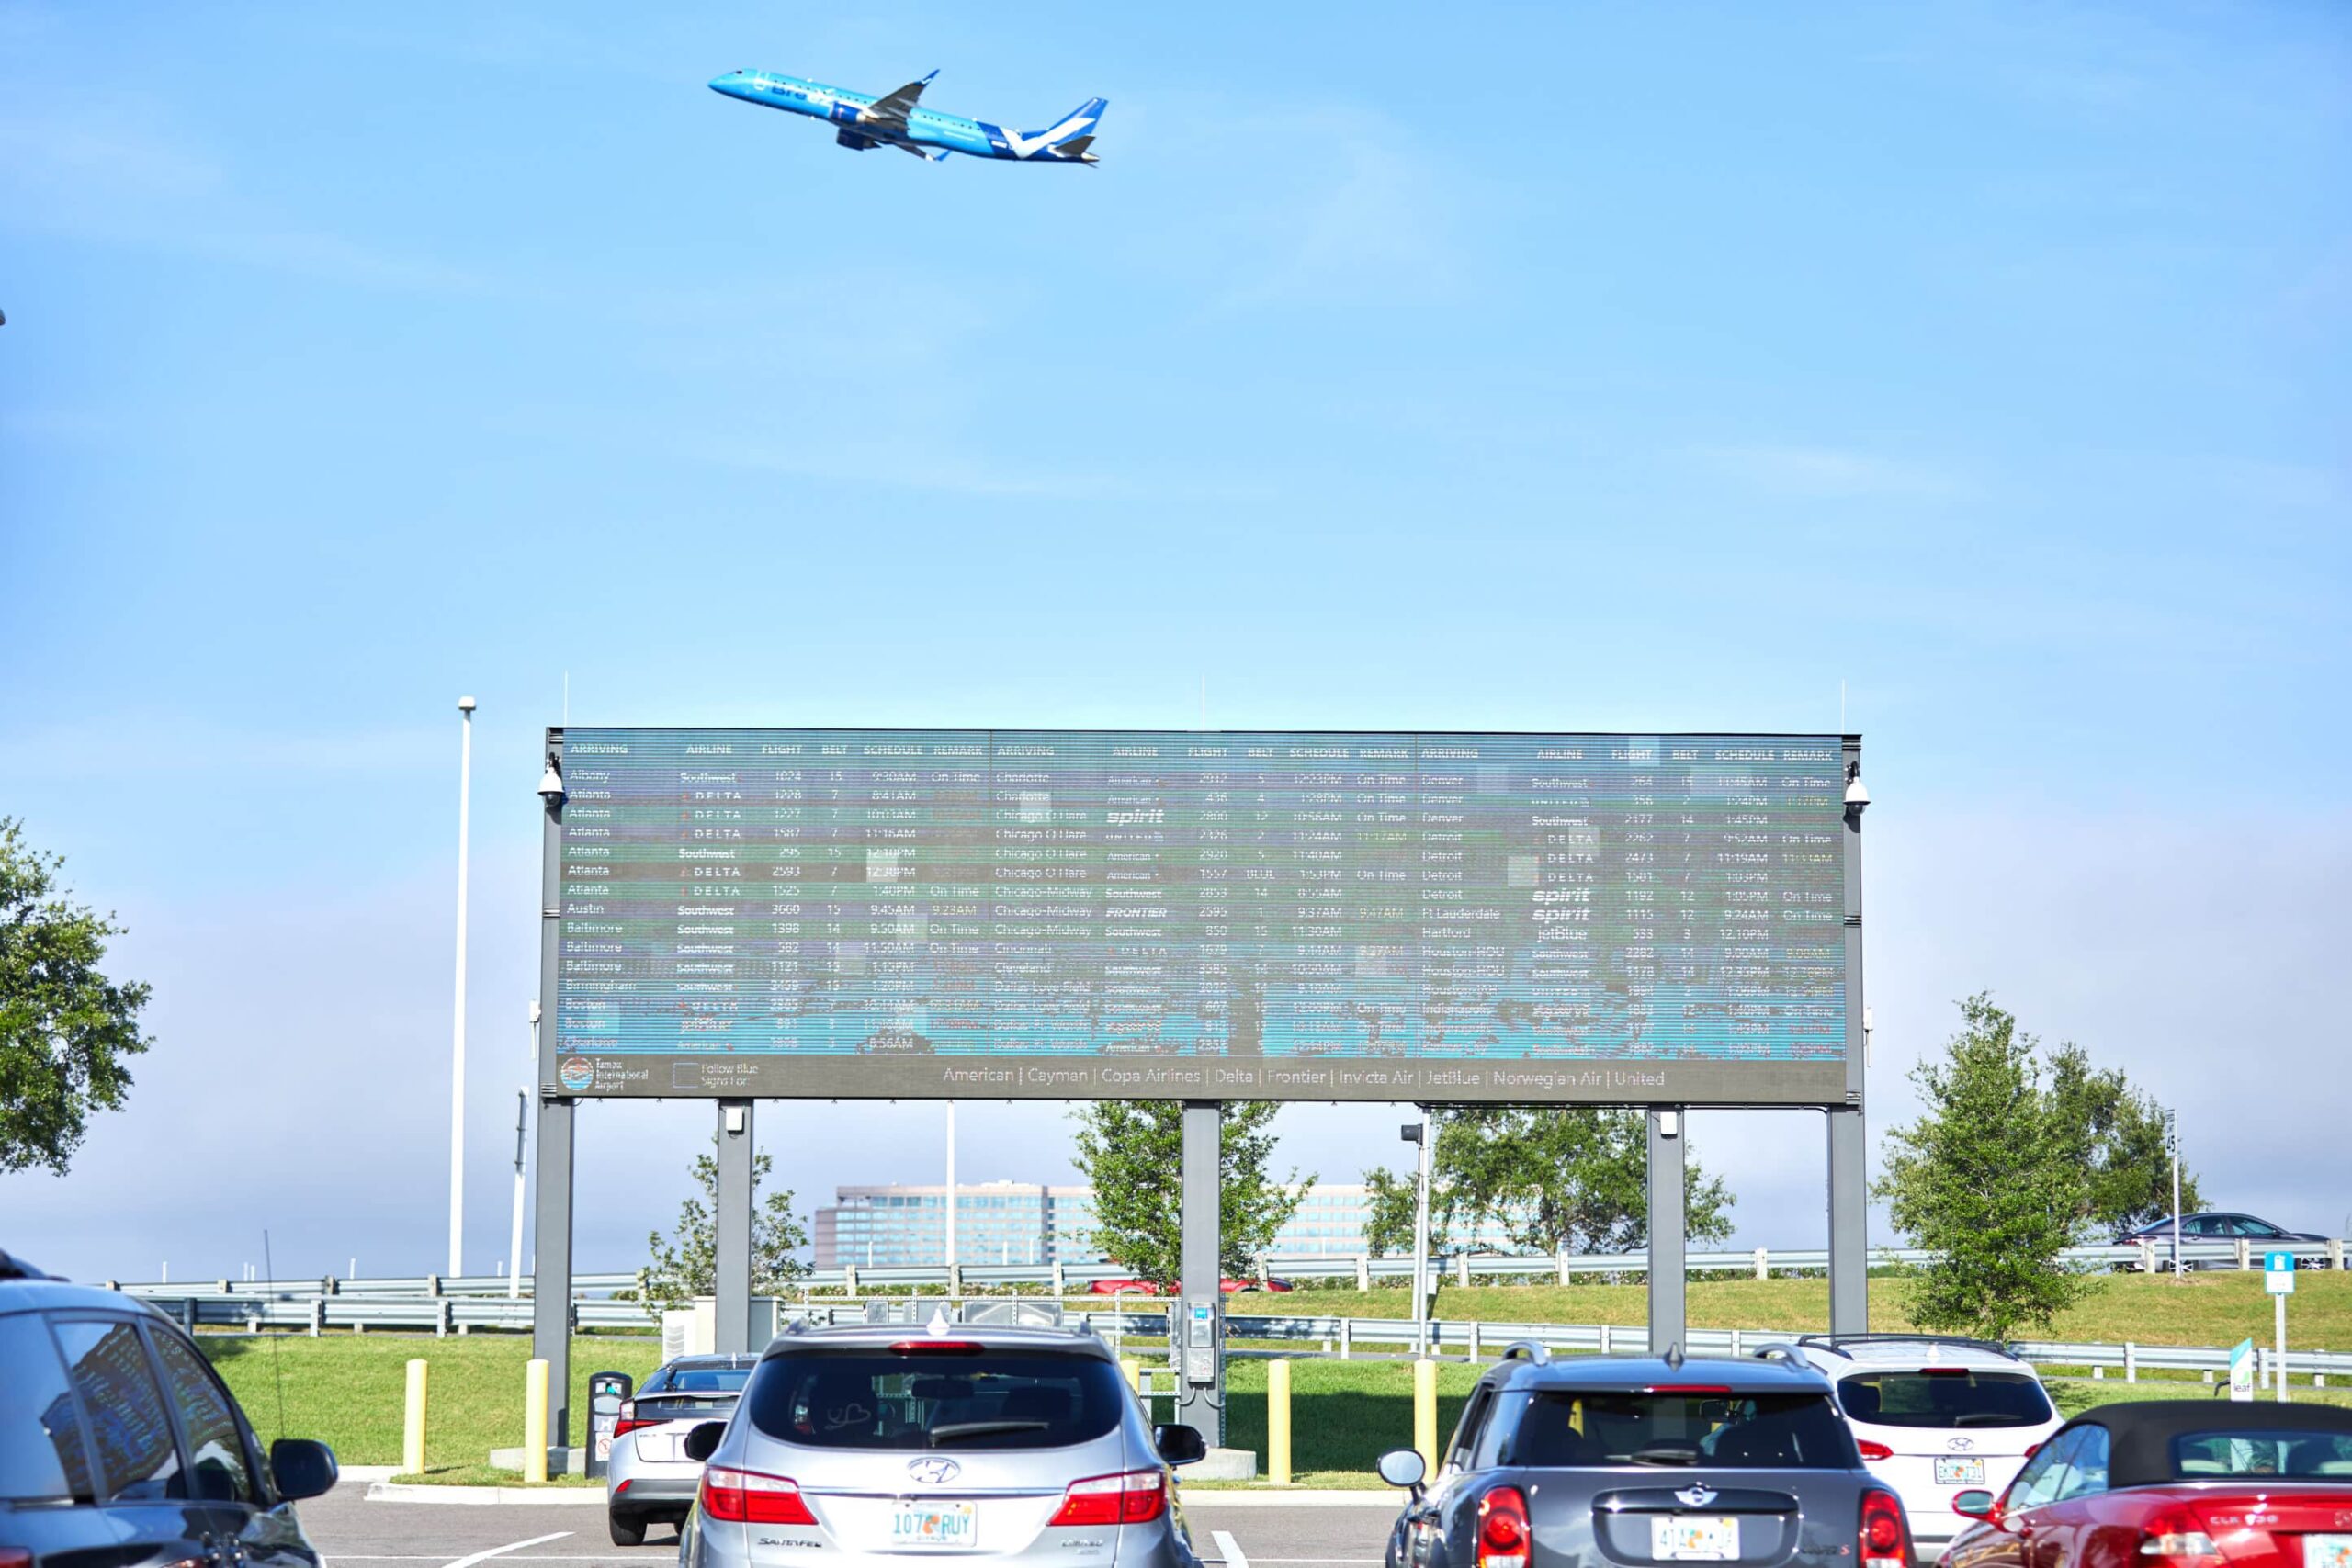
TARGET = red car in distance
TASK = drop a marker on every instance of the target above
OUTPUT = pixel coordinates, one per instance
(2174, 1483)
(1146, 1288)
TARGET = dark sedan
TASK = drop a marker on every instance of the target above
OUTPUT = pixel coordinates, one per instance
(1640, 1460)
(2214, 1228)
(120, 1447)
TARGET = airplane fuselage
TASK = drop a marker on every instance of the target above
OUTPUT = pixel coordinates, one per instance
(851, 113)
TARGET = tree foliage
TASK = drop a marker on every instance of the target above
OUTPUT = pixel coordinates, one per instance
(2119, 1144)
(686, 1265)
(1987, 1179)
(1132, 1150)
(1573, 1180)
(66, 1030)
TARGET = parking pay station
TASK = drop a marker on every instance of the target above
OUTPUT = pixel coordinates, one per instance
(607, 1392)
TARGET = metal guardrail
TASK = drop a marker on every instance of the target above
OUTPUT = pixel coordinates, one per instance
(1468, 1339)
(1362, 1268)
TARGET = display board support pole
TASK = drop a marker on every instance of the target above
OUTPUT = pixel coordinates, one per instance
(1850, 1273)
(552, 1275)
(1667, 1281)
(1199, 1278)
(1849, 1178)
(551, 1222)
(731, 1325)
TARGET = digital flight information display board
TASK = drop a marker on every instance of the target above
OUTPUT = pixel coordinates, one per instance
(1056, 914)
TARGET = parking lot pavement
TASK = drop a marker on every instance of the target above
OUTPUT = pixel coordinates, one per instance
(352, 1532)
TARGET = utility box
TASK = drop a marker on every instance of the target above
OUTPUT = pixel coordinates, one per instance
(694, 1330)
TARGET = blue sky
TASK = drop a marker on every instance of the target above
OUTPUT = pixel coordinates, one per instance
(1517, 366)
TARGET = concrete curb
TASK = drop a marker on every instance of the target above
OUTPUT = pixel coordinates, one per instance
(485, 1497)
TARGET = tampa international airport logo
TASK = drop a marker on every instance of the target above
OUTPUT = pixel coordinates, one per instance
(576, 1073)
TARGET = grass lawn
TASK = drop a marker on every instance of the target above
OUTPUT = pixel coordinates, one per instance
(347, 1389)
(2218, 1308)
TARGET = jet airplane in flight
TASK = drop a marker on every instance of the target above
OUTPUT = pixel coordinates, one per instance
(895, 120)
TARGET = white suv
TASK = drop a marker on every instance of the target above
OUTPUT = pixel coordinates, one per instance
(1935, 1417)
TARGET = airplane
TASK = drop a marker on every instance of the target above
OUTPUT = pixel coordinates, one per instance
(895, 121)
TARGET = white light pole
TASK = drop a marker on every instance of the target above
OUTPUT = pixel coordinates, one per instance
(951, 1190)
(2173, 1118)
(458, 1033)
(1418, 1134)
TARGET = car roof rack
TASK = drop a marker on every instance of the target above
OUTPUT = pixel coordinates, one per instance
(1836, 1343)
(1534, 1351)
(1781, 1353)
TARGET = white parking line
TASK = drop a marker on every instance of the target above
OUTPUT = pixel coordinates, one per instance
(503, 1551)
(1230, 1549)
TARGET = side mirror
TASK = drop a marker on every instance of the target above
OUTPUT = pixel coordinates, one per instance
(302, 1468)
(1976, 1504)
(1180, 1445)
(1404, 1467)
(703, 1441)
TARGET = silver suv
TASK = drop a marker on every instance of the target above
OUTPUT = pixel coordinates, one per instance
(1021, 1443)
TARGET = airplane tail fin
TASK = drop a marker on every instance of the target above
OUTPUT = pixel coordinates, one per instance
(1071, 135)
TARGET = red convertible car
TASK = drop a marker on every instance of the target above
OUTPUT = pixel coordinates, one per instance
(2174, 1483)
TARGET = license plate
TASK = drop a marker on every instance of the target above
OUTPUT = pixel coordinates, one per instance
(1679, 1538)
(949, 1526)
(1960, 1472)
(2327, 1551)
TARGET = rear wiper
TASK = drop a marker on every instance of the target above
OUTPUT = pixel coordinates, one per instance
(955, 1429)
(1665, 1453)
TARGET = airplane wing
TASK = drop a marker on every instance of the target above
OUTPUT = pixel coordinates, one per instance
(891, 110)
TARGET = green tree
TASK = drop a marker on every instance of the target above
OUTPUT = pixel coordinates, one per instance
(2117, 1141)
(1571, 1180)
(1985, 1179)
(686, 1265)
(1132, 1150)
(66, 1030)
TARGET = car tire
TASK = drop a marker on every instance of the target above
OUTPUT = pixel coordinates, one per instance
(625, 1531)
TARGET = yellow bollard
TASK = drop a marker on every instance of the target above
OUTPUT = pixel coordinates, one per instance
(412, 1423)
(1134, 1371)
(535, 1423)
(1425, 1412)
(1278, 1423)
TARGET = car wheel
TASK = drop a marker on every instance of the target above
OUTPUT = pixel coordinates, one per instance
(625, 1532)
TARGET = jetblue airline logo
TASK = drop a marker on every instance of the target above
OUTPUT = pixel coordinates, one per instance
(1029, 146)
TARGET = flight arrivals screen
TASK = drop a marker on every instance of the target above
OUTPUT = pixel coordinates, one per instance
(1062, 914)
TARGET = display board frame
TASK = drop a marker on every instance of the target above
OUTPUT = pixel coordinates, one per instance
(573, 1067)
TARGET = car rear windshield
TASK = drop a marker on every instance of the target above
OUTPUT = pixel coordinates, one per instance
(2296, 1456)
(984, 1399)
(697, 1380)
(1944, 1397)
(1695, 1426)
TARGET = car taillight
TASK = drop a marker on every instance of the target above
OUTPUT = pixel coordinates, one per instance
(1885, 1537)
(2178, 1539)
(15, 1557)
(1502, 1528)
(628, 1420)
(1137, 1497)
(935, 1347)
(745, 1496)
(2034, 1448)
(1873, 1450)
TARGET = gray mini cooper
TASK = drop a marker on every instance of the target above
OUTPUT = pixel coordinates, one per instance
(1017, 1443)
(1596, 1460)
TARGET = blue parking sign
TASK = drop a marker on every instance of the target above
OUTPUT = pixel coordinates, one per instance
(2278, 1272)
